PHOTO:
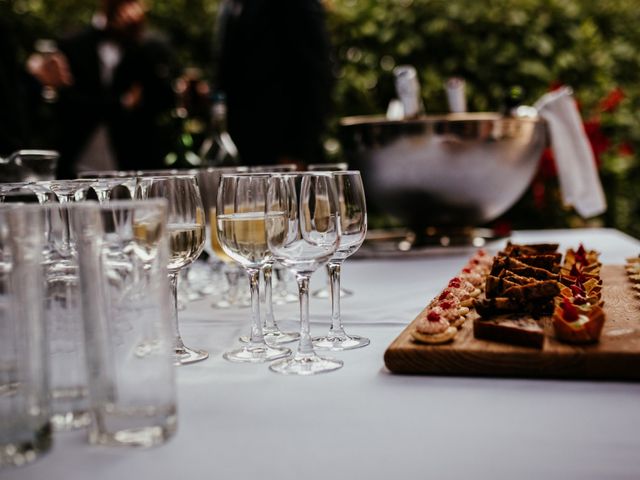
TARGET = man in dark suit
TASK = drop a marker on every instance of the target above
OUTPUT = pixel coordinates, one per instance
(275, 70)
(112, 115)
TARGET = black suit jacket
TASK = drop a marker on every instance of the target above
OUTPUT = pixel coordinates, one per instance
(138, 136)
(274, 67)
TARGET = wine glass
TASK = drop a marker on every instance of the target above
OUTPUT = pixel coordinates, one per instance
(325, 291)
(209, 182)
(303, 233)
(106, 180)
(240, 222)
(353, 228)
(271, 330)
(185, 225)
(11, 186)
(68, 191)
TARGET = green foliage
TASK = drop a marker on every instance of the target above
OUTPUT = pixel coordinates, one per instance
(493, 44)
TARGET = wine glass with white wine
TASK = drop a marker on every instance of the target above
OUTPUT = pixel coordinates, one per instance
(240, 221)
(186, 230)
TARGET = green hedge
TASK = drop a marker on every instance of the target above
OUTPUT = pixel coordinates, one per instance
(493, 44)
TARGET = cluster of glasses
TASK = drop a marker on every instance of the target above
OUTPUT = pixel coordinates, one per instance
(303, 221)
(87, 313)
(84, 321)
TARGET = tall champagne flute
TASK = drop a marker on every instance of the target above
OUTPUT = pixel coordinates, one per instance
(240, 221)
(185, 225)
(353, 228)
(303, 233)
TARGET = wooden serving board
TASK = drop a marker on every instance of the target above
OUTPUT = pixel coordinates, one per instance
(615, 357)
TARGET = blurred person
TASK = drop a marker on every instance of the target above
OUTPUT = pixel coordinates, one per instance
(120, 95)
(21, 84)
(274, 68)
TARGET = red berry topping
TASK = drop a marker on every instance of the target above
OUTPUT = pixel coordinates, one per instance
(455, 282)
(579, 299)
(446, 305)
(444, 295)
(481, 253)
(577, 289)
(433, 316)
(569, 311)
(466, 270)
(575, 271)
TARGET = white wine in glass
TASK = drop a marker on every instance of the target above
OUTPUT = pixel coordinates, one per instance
(185, 243)
(186, 230)
(241, 231)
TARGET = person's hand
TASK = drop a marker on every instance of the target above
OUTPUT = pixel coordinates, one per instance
(50, 69)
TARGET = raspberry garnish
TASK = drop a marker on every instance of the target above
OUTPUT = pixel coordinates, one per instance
(446, 305)
(569, 311)
(455, 282)
(433, 316)
(444, 295)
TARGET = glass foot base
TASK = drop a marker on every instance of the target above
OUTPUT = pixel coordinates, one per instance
(186, 355)
(29, 448)
(340, 343)
(326, 293)
(306, 365)
(256, 354)
(275, 337)
(62, 422)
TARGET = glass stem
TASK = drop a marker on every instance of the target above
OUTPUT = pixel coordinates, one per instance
(257, 337)
(336, 329)
(43, 198)
(269, 319)
(305, 347)
(65, 198)
(173, 284)
(103, 194)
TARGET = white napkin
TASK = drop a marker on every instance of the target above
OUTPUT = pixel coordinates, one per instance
(579, 180)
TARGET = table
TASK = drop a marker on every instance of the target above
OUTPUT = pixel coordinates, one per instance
(242, 421)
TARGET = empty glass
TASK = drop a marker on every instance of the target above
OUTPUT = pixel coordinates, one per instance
(124, 253)
(185, 219)
(240, 221)
(25, 430)
(353, 229)
(63, 316)
(303, 232)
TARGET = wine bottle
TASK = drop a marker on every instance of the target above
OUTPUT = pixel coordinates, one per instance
(218, 149)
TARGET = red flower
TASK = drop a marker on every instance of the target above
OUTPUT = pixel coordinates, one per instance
(625, 149)
(612, 100)
(548, 164)
(599, 141)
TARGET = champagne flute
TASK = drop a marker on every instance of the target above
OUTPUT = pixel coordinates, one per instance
(303, 233)
(241, 211)
(353, 228)
(185, 224)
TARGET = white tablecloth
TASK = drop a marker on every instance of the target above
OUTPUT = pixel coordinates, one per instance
(244, 422)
